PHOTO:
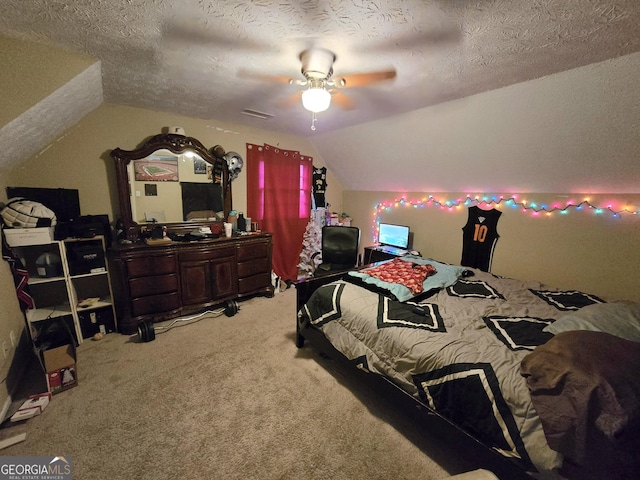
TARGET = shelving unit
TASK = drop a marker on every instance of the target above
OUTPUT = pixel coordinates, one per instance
(79, 290)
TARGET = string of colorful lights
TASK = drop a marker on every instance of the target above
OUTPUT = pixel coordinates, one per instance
(512, 201)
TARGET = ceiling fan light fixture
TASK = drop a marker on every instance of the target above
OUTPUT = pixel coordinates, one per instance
(316, 99)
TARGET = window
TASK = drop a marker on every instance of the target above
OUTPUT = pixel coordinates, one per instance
(279, 198)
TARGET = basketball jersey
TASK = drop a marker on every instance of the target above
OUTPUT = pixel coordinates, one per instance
(319, 187)
(479, 238)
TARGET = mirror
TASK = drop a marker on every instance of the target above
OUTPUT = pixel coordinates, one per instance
(171, 180)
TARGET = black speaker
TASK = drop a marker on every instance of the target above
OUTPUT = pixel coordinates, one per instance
(88, 226)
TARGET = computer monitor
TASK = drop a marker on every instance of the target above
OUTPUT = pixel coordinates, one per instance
(394, 235)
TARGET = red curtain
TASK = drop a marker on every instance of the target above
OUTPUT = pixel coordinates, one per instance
(279, 198)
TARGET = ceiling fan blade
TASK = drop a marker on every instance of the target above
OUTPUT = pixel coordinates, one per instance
(342, 100)
(191, 31)
(362, 79)
(266, 77)
(291, 101)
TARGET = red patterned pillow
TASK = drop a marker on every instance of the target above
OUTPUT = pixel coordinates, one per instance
(406, 273)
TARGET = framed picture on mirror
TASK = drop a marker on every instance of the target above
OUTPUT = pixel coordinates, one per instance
(157, 168)
(199, 166)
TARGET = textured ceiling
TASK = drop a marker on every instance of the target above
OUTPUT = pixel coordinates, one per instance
(204, 59)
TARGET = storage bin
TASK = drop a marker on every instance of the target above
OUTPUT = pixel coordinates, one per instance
(17, 237)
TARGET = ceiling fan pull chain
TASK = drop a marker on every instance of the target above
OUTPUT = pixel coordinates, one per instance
(314, 119)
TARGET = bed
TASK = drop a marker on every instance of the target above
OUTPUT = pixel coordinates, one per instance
(488, 354)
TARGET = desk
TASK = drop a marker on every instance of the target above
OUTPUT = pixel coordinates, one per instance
(372, 254)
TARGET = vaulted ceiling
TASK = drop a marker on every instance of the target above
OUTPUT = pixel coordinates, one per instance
(221, 59)
(217, 59)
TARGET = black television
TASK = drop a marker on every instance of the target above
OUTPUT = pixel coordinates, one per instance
(64, 202)
(201, 197)
(393, 235)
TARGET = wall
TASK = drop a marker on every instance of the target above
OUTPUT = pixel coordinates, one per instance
(32, 72)
(575, 131)
(594, 253)
(11, 320)
(80, 159)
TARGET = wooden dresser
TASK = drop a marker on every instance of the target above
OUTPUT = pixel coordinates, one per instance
(155, 283)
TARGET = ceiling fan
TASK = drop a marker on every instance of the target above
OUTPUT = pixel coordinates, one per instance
(317, 69)
(322, 86)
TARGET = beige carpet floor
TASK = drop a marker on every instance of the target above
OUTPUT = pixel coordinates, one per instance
(227, 398)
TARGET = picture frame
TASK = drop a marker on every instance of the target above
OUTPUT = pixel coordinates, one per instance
(157, 168)
(150, 190)
(199, 166)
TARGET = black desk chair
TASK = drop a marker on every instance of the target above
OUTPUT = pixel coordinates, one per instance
(340, 246)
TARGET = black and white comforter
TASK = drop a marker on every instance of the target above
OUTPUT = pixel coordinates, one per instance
(459, 350)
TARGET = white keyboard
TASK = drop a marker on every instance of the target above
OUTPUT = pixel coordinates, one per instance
(393, 250)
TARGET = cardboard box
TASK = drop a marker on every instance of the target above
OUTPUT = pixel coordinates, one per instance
(60, 368)
(41, 400)
(17, 237)
(25, 414)
(31, 407)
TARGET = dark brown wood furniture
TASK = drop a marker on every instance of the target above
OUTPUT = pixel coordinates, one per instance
(158, 282)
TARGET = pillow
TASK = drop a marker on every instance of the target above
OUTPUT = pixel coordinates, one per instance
(444, 276)
(619, 319)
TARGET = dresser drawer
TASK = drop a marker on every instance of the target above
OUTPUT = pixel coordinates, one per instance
(249, 284)
(163, 281)
(151, 265)
(143, 286)
(247, 269)
(250, 252)
(155, 304)
(204, 255)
